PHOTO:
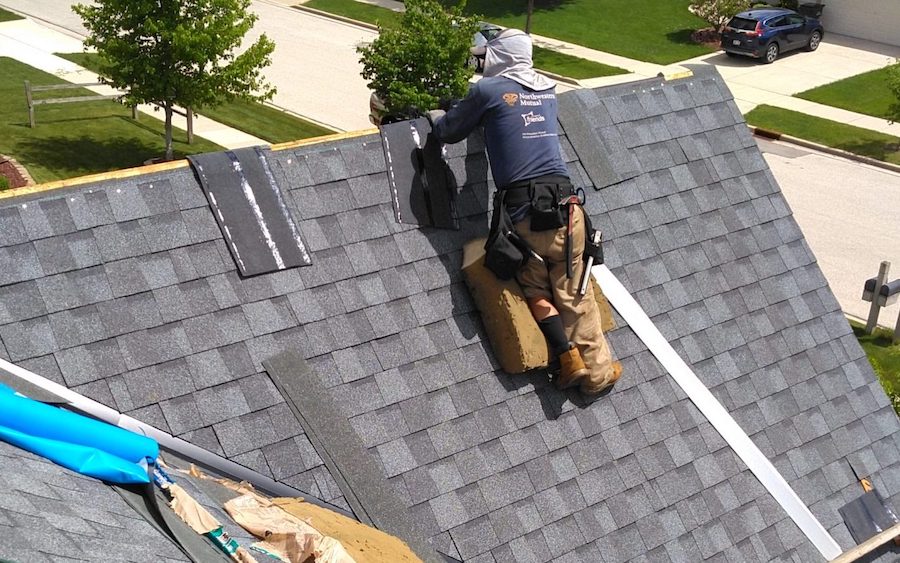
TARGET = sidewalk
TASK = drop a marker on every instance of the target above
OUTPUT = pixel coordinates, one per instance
(34, 44)
(753, 83)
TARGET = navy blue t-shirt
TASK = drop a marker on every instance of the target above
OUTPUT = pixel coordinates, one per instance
(520, 128)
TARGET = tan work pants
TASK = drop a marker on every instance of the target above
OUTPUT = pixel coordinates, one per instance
(579, 313)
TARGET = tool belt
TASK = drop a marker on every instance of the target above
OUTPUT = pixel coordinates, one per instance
(549, 197)
(546, 195)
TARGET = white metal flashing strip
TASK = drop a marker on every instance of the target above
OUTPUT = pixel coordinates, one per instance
(707, 403)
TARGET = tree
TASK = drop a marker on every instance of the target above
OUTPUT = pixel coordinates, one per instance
(177, 52)
(530, 11)
(718, 12)
(893, 77)
(422, 60)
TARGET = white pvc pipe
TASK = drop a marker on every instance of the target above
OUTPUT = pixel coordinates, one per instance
(707, 403)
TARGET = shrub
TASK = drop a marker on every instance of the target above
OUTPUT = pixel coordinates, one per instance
(718, 12)
(4, 183)
(416, 64)
(894, 85)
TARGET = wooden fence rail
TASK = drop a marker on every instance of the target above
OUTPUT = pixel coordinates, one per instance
(29, 98)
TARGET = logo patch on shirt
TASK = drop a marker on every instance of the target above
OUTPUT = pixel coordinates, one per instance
(510, 98)
(532, 117)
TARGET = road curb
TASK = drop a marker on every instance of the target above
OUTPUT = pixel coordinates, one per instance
(768, 134)
(343, 19)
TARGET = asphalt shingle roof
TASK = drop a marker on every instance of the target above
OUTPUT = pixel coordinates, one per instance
(125, 291)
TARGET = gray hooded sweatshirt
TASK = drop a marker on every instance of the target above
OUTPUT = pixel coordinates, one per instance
(518, 110)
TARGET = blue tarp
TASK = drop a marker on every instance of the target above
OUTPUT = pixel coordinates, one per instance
(82, 444)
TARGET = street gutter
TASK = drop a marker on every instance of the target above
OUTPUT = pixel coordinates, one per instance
(768, 134)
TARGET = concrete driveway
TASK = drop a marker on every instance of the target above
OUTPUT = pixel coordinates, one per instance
(838, 57)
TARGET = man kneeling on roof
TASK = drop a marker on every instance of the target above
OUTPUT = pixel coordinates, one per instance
(537, 214)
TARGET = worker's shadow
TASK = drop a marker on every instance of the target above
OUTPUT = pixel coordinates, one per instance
(466, 171)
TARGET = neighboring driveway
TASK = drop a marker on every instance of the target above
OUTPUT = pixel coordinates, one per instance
(849, 215)
(837, 57)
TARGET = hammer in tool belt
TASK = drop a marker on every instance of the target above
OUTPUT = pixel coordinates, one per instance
(569, 202)
(591, 249)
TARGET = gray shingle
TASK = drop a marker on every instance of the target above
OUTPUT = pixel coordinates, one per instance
(75, 327)
(12, 229)
(91, 362)
(165, 231)
(181, 414)
(128, 314)
(27, 339)
(21, 301)
(154, 346)
(427, 410)
(217, 329)
(19, 263)
(269, 316)
(158, 383)
(506, 487)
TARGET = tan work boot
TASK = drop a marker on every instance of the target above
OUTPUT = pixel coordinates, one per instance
(590, 389)
(571, 368)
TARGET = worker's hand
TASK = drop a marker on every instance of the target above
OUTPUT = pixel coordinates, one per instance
(434, 115)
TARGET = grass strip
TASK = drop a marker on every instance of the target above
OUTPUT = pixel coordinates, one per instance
(254, 118)
(573, 67)
(359, 11)
(884, 357)
(866, 93)
(6, 16)
(827, 132)
(655, 31)
(77, 138)
(546, 59)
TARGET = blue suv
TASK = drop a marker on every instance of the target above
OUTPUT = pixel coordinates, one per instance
(767, 32)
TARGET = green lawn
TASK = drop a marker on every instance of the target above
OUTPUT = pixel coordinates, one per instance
(78, 138)
(546, 59)
(8, 16)
(866, 93)
(826, 132)
(656, 31)
(573, 67)
(884, 357)
(259, 120)
(357, 11)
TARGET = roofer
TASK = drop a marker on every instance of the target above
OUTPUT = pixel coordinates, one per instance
(538, 226)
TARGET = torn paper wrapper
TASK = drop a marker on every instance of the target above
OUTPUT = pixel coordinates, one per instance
(284, 535)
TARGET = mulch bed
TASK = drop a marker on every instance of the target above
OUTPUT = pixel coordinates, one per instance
(10, 171)
(709, 37)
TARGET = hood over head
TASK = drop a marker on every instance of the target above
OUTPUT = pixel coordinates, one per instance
(509, 55)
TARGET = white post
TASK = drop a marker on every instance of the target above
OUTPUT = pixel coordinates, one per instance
(872, 321)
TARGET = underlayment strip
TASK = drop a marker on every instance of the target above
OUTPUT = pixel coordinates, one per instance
(706, 402)
(251, 211)
(368, 493)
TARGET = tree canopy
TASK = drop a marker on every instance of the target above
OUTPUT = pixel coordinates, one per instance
(421, 61)
(178, 52)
